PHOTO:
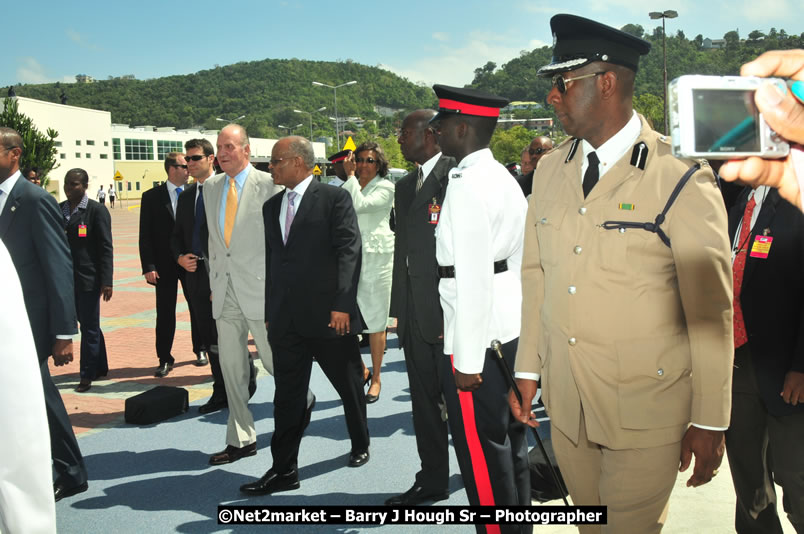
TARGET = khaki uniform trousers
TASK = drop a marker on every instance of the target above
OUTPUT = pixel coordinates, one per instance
(634, 484)
(233, 329)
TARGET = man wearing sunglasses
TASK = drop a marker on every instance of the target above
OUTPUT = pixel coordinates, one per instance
(157, 217)
(629, 334)
(537, 148)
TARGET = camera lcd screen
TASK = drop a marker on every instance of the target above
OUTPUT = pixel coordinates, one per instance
(725, 121)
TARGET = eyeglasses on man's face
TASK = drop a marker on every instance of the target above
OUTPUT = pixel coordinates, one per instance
(560, 83)
(197, 157)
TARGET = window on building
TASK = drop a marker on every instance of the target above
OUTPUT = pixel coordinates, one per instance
(104, 156)
(88, 155)
(129, 185)
(77, 142)
(63, 156)
(116, 149)
(78, 155)
(138, 186)
(119, 186)
(90, 142)
(139, 149)
(163, 148)
(106, 143)
(57, 143)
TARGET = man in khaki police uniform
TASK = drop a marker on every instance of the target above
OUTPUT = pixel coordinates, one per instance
(632, 338)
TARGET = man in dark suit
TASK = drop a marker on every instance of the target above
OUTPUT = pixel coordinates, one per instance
(31, 229)
(415, 284)
(312, 246)
(157, 217)
(190, 247)
(89, 233)
(535, 150)
(767, 418)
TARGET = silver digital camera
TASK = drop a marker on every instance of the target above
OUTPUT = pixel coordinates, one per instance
(714, 117)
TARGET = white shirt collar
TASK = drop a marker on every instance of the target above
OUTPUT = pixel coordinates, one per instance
(475, 157)
(301, 187)
(427, 166)
(615, 147)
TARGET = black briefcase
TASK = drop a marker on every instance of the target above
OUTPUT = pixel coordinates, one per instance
(155, 405)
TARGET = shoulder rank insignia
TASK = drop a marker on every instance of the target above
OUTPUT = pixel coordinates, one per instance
(639, 155)
(573, 149)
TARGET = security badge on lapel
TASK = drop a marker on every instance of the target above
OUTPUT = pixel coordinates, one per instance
(434, 211)
(82, 230)
(762, 245)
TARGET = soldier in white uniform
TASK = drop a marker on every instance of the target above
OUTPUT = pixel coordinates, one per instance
(479, 237)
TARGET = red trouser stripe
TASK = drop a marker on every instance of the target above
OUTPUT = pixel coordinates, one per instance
(480, 469)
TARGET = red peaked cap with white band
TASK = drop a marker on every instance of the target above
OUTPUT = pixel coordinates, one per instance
(463, 101)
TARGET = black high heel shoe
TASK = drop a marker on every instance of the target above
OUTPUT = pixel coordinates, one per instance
(367, 381)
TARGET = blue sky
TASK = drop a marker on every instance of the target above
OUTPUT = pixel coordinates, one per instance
(425, 41)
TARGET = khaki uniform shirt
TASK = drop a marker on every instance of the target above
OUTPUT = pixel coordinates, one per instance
(636, 335)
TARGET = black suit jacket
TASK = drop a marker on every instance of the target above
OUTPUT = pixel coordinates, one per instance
(181, 241)
(317, 271)
(93, 255)
(772, 296)
(525, 181)
(414, 251)
(156, 229)
(31, 227)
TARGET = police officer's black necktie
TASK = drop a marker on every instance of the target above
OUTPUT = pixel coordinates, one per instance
(592, 174)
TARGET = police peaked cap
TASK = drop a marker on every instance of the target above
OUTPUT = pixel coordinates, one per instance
(339, 156)
(463, 101)
(578, 41)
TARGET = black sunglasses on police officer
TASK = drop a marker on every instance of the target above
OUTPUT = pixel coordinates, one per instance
(560, 83)
(196, 157)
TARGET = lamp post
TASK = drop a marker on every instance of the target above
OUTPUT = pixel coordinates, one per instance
(335, 95)
(310, 113)
(230, 121)
(290, 128)
(655, 15)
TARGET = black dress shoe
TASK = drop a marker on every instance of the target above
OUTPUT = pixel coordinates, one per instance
(308, 414)
(417, 495)
(213, 405)
(356, 459)
(83, 386)
(232, 454)
(202, 358)
(61, 491)
(163, 370)
(272, 482)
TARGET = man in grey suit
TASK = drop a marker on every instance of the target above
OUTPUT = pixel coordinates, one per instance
(31, 227)
(233, 203)
(418, 198)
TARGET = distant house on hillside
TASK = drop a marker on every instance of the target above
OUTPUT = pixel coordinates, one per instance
(84, 78)
(709, 44)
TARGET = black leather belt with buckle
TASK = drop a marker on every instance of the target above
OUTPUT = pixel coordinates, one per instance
(449, 271)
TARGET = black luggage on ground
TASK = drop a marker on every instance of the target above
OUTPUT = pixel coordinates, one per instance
(155, 405)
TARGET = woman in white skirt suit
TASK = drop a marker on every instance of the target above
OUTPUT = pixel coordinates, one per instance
(373, 197)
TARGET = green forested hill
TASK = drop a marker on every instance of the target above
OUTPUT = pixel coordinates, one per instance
(266, 91)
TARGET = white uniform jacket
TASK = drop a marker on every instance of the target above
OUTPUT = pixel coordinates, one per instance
(482, 221)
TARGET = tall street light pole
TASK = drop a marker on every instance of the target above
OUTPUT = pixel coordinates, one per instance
(655, 15)
(310, 113)
(335, 95)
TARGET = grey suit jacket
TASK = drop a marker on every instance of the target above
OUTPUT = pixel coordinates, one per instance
(244, 260)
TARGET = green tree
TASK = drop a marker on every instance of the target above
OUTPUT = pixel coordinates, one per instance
(507, 145)
(39, 150)
(651, 107)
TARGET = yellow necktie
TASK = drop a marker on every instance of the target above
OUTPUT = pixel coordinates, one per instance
(231, 212)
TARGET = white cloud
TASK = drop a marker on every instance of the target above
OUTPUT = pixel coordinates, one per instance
(31, 71)
(455, 65)
(80, 40)
(768, 10)
(441, 36)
